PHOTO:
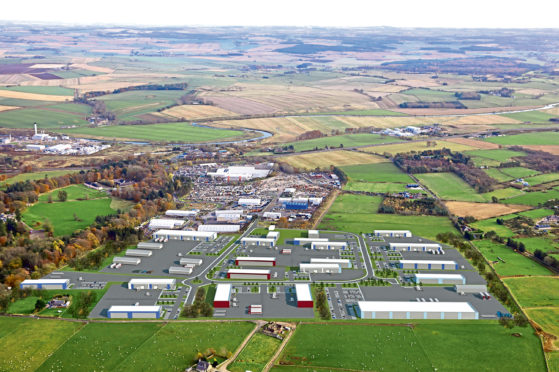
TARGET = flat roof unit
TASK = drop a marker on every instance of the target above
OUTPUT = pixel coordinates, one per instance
(138, 253)
(304, 297)
(320, 268)
(149, 283)
(149, 245)
(415, 245)
(272, 215)
(39, 283)
(437, 276)
(435, 262)
(248, 271)
(180, 270)
(313, 233)
(345, 263)
(273, 235)
(298, 241)
(471, 288)
(250, 201)
(223, 228)
(248, 274)
(405, 233)
(416, 306)
(328, 245)
(181, 234)
(222, 295)
(127, 260)
(179, 213)
(134, 312)
(164, 223)
(258, 241)
(195, 261)
(255, 261)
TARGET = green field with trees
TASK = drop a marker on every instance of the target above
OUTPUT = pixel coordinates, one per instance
(534, 138)
(507, 262)
(45, 119)
(449, 186)
(34, 176)
(256, 354)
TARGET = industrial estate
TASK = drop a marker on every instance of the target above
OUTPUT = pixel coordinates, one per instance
(237, 199)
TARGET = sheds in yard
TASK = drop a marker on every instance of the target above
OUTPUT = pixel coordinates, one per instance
(428, 265)
(248, 274)
(132, 312)
(149, 245)
(138, 253)
(343, 262)
(152, 283)
(416, 310)
(393, 233)
(328, 245)
(127, 260)
(439, 279)
(304, 297)
(222, 296)
(186, 235)
(179, 270)
(45, 284)
(320, 268)
(255, 261)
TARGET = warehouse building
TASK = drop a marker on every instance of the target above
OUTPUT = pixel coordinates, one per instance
(393, 233)
(138, 253)
(265, 242)
(45, 284)
(272, 215)
(415, 310)
(186, 235)
(134, 312)
(273, 235)
(344, 263)
(470, 288)
(127, 260)
(165, 223)
(239, 173)
(296, 204)
(180, 270)
(304, 297)
(439, 279)
(249, 202)
(190, 261)
(183, 214)
(308, 241)
(320, 268)
(248, 274)
(428, 265)
(313, 234)
(328, 245)
(423, 247)
(152, 283)
(230, 215)
(222, 296)
(255, 261)
(149, 245)
(223, 228)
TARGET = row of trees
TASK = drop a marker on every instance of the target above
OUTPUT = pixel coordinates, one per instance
(321, 303)
(200, 307)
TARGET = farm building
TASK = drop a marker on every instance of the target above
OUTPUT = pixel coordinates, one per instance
(423, 247)
(320, 268)
(313, 234)
(45, 284)
(138, 253)
(186, 235)
(304, 297)
(190, 261)
(249, 202)
(248, 274)
(470, 288)
(439, 279)
(428, 265)
(415, 310)
(134, 312)
(328, 245)
(127, 260)
(255, 261)
(272, 215)
(305, 241)
(183, 214)
(273, 235)
(179, 270)
(393, 233)
(267, 242)
(152, 283)
(220, 228)
(344, 263)
(149, 245)
(165, 223)
(222, 296)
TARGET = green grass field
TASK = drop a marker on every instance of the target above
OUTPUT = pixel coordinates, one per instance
(496, 174)
(74, 192)
(357, 214)
(519, 172)
(256, 354)
(542, 178)
(544, 244)
(534, 138)
(490, 224)
(515, 263)
(406, 147)
(534, 198)
(365, 113)
(381, 172)
(531, 116)
(440, 347)
(24, 119)
(348, 140)
(378, 187)
(449, 186)
(167, 132)
(546, 318)
(500, 155)
(535, 292)
(55, 91)
(505, 193)
(34, 176)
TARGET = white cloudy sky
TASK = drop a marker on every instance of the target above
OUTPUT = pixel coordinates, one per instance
(339, 13)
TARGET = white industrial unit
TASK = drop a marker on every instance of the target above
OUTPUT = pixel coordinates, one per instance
(138, 253)
(45, 284)
(329, 245)
(183, 214)
(239, 173)
(255, 261)
(127, 260)
(439, 279)
(265, 242)
(179, 270)
(305, 241)
(343, 262)
(393, 233)
(192, 261)
(220, 228)
(428, 265)
(313, 234)
(250, 202)
(149, 245)
(272, 215)
(134, 312)
(421, 247)
(471, 288)
(186, 235)
(273, 235)
(222, 296)
(416, 310)
(152, 283)
(165, 223)
(320, 268)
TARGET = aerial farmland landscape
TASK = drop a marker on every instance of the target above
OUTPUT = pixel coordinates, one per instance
(246, 191)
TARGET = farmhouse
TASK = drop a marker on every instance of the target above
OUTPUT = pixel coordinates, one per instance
(165, 223)
(320, 268)
(393, 233)
(134, 312)
(138, 253)
(423, 247)
(304, 297)
(179, 270)
(183, 214)
(186, 235)
(190, 261)
(267, 242)
(248, 274)
(328, 245)
(148, 245)
(428, 265)
(439, 279)
(127, 260)
(415, 310)
(222, 296)
(255, 261)
(152, 283)
(45, 284)
(344, 263)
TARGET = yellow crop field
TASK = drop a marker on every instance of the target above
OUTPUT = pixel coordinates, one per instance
(482, 145)
(6, 108)
(34, 96)
(192, 112)
(325, 159)
(417, 146)
(482, 211)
